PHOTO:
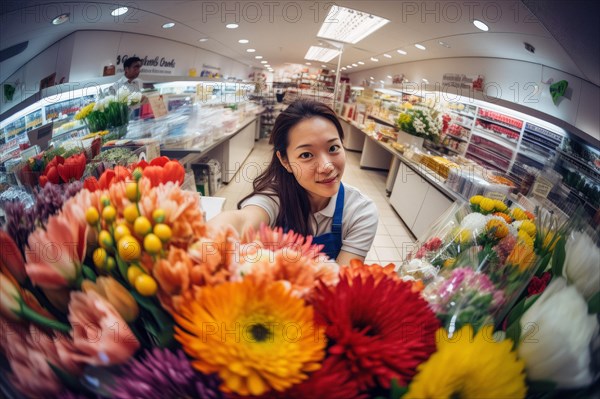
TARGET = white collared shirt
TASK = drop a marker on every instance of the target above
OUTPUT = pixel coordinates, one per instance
(134, 86)
(359, 220)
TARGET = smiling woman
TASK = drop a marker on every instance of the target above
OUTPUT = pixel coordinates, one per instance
(302, 190)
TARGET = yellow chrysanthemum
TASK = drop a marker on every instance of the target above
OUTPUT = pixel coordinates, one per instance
(522, 256)
(487, 205)
(449, 262)
(470, 367)
(497, 228)
(476, 199)
(519, 214)
(529, 227)
(500, 206)
(463, 236)
(524, 236)
(257, 337)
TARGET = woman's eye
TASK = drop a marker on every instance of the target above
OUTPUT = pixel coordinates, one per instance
(305, 155)
(334, 148)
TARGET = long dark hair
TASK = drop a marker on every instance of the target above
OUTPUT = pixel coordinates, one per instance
(276, 181)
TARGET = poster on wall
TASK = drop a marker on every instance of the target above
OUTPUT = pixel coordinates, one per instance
(463, 81)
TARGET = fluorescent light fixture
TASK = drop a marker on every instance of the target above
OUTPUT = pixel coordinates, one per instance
(258, 57)
(243, 41)
(168, 25)
(250, 50)
(374, 59)
(308, 63)
(401, 52)
(349, 26)
(119, 11)
(322, 54)
(232, 26)
(387, 56)
(204, 39)
(61, 19)
(264, 62)
(361, 63)
(389, 76)
(444, 44)
(420, 46)
(480, 25)
(354, 65)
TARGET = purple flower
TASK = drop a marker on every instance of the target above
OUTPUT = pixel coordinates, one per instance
(20, 222)
(164, 374)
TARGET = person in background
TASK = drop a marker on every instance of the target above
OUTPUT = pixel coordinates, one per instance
(132, 67)
(302, 190)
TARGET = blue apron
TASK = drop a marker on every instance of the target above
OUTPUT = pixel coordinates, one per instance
(333, 240)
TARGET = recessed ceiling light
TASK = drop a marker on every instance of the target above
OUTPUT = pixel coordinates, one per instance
(204, 39)
(258, 57)
(420, 46)
(371, 77)
(343, 68)
(382, 81)
(361, 63)
(308, 63)
(264, 62)
(401, 52)
(389, 76)
(480, 25)
(61, 19)
(425, 80)
(119, 11)
(168, 25)
(231, 26)
(250, 50)
(349, 26)
(387, 56)
(243, 41)
(349, 67)
(268, 66)
(323, 66)
(444, 44)
(354, 65)
(374, 59)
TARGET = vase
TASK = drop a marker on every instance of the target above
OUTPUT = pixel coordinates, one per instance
(405, 138)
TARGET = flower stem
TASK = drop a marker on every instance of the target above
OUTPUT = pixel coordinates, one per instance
(37, 318)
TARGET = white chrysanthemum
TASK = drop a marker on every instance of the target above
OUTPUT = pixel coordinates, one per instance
(474, 222)
(582, 262)
(555, 350)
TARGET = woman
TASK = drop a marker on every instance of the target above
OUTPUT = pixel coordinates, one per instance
(301, 190)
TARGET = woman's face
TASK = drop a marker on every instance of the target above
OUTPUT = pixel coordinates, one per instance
(316, 158)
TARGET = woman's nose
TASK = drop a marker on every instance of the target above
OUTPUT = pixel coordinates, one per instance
(325, 165)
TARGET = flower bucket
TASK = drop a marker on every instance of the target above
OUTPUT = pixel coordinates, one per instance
(405, 138)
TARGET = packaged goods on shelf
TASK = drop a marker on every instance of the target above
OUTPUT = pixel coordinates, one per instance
(476, 181)
(440, 165)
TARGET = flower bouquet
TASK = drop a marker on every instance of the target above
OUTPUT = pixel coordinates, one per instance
(421, 122)
(110, 111)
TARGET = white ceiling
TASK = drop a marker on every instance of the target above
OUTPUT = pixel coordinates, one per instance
(282, 31)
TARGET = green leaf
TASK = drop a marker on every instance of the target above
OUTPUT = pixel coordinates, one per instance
(517, 311)
(397, 391)
(594, 303)
(514, 332)
(88, 273)
(558, 257)
(122, 267)
(543, 264)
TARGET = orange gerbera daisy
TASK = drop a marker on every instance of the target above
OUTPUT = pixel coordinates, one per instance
(257, 338)
(378, 272)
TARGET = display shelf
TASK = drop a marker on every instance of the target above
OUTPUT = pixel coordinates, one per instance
(486, 162)
(495, 138)
(516, 129)
(490, 150)
(578, 164)
(457, 138)
(461, 113)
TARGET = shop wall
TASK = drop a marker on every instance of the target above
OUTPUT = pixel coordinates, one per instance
(519, 82)
(82, 56)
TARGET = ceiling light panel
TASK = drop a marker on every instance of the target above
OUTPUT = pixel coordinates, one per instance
(349, 26)
(322, 54)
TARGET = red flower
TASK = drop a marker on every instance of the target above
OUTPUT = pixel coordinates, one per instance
(155, 174)
(121, 174)
(106, 179)
(91, 184)
(173, 171)
(142, 165)
(379, 330)
(51, 174)
(537, 285)
(72, 168)
(160, 161)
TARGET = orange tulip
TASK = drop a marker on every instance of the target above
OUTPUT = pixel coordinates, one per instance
(11, 258)
(111, 290)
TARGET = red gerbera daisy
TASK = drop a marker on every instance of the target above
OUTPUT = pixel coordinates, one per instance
(379, 329)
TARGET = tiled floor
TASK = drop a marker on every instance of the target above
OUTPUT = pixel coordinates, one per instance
(392, 242)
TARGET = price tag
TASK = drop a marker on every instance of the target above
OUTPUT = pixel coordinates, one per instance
(152, 151)
(542, 187)
(495, 195)
(158, 106)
